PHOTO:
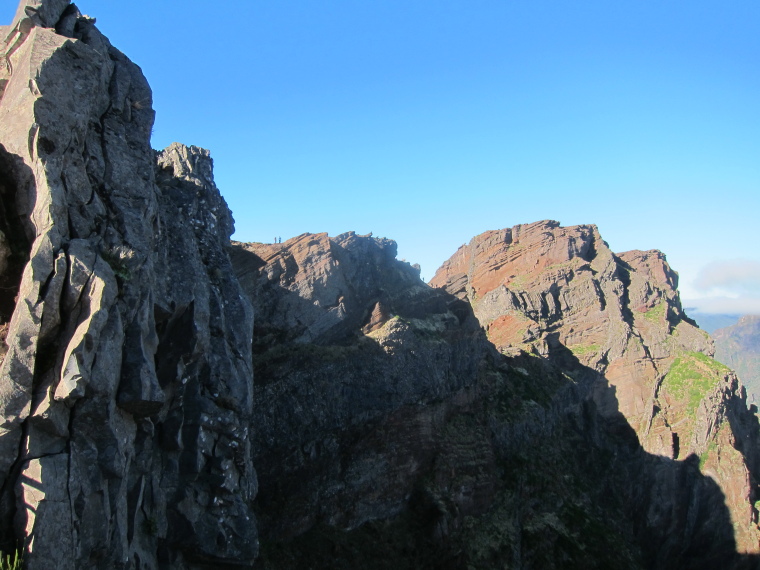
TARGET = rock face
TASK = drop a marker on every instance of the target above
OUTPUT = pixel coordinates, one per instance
(392, 433)
(547, 406)
(738, 346)
(350, 349)
(617, 320)
(125, 392)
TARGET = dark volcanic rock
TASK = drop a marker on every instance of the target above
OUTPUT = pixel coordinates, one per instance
(356, 359)
(126, 389)
(549, 407)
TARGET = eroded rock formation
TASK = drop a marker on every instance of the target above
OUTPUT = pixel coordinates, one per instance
(549, 406)
(561, 293)
(348, 343)
(125, 391)
(394, 434)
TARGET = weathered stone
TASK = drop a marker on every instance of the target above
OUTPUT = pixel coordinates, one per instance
(127, 317)
(381, 409)
(552, 407)
(561, 293)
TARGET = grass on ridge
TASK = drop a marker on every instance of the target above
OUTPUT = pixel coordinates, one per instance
(691, 376)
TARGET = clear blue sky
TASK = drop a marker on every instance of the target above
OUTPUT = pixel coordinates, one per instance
(432, 121)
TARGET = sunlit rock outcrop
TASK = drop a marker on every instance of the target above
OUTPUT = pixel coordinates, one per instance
(394, 433)
(616, 320)
(547, 405)
(125, 390)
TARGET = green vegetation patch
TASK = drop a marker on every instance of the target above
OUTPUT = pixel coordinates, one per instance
(712, 448)
(657, 313)
(581, 349)
(518, 283)
(691, 376)
(11, 561)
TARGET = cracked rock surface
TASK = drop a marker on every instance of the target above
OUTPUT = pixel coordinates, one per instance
(401, 426)
(616, 320)
(548, 405)
(125, 392)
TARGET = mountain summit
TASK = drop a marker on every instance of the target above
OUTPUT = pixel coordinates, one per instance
(547, 404)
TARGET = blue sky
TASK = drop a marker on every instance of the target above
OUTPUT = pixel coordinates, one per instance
(432, 121)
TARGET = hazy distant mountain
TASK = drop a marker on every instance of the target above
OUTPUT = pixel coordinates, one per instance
(738, 346)
(710, 322)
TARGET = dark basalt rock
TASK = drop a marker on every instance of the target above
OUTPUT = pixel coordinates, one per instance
(393, 433)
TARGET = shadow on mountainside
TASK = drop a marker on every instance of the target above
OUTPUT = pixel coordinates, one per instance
(679, 514)
(418, 445)
(17, 195)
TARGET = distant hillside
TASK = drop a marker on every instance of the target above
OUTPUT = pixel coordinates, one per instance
(711, 322)
(738, 346)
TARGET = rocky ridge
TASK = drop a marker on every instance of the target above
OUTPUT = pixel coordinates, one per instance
(125, 391)
(348, 344)
(616, 321)
(549, 406)
(395, 434)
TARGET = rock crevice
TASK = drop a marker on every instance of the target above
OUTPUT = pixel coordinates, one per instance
(122, 446)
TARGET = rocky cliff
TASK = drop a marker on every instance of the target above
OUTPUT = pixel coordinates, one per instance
(125, 391)
(404, 426)
(615, 321)
(356, 365)
(738, 346)
(546, 405)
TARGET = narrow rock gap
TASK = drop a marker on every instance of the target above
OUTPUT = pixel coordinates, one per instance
(14, 245)
(16, 180)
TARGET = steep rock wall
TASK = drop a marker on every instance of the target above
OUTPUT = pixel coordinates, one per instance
(616, 322)
(126, 387)
(392, 434)
(387, 430)
(356, 363)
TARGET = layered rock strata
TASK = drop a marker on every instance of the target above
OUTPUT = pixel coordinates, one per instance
(549, 406)
(350, 350)
(125, 392)
(394, 434)
(616, 321)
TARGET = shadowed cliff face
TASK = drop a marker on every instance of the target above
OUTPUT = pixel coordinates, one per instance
(561, 293)
(392, 433)
(393, 425)
(125, 390)
(348, 341)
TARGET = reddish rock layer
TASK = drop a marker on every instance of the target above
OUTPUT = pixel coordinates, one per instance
(562, 293)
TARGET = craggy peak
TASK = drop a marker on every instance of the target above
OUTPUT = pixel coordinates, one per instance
(171, 399)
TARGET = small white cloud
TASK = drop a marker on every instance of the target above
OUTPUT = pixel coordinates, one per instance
(736, 277)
